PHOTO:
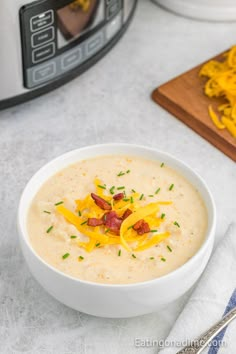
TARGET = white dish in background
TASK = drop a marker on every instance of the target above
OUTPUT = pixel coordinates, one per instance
(105, 300)
(213, 10)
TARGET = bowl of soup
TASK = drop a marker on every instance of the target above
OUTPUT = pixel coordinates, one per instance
(116, 230)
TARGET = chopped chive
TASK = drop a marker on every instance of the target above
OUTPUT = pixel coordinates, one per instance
(112, 189)
(142, 195)
(107, 230)
(163, 259)
(171, 187)
(59, 203)
(125, 199)
(80, 258)
(79, 213)
(47, 212)
(163, 215)
(133, 255)
(176, 223)
(162, 164)
(119, 253)
(83, 223)
(49, 229)
(131, 200)
(132, 190)
(73, 236)
(152, 258)
(158, 190)
(153, 230)
(128, 171)
(119, 188)
(65, 255)
(130, 227)
(120, 174)
(98, 244)
(103, 187)
(169, 248)
(151, 195)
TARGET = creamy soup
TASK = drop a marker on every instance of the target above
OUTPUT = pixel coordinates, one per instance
(165, 227)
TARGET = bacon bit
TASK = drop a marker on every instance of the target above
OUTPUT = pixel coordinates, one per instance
(101, 202)
(144, 228)
(127, 213)
(118, 196)
(107, 216)
(112, 222)
(94, 222)
(138, 224)
(141, 227)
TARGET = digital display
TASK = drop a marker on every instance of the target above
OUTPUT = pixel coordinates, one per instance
(77, 18)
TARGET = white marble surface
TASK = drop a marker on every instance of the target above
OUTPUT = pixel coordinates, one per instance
(110, 102)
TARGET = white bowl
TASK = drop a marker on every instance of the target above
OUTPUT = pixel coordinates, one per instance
(105, 300)
(213, 10)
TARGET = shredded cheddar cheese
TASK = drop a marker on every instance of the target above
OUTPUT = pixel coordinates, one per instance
(215, 119)
(222, 83)
(76, 221)
(129, 238)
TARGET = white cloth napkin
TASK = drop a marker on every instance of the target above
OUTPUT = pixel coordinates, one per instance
(214, 295)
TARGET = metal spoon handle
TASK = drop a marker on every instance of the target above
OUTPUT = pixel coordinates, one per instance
(201, 342)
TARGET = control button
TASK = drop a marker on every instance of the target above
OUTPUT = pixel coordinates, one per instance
(43, 53)
(94, 43)
(42, 37)
(113, 8)
(113, 26)
(44, 72)
(42, 20)
(72, 59)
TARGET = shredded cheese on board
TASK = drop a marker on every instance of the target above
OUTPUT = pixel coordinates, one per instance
(222, 83)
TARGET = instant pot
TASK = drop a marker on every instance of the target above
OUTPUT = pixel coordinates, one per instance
(46, 43)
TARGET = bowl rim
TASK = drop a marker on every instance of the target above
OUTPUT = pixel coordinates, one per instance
(211, 209)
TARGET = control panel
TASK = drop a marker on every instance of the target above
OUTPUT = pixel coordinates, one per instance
(56, 39)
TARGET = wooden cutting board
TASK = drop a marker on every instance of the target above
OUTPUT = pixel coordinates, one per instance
(184, 98)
